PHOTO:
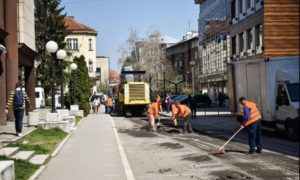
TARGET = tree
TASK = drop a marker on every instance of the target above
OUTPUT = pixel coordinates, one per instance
(49, 25)
(80, 80)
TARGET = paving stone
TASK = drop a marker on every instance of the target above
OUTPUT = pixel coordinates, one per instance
(8, 151)
(39, 159)
(24, 155)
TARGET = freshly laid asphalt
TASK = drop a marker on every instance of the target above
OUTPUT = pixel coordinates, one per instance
(91, 153)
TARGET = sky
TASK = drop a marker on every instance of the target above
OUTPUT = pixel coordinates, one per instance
(112, 19)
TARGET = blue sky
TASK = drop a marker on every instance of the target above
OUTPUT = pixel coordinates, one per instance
(113, 18)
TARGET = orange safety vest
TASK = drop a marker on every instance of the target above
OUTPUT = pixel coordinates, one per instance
(183, 110)
(109, 102)
(174, 111)
(254, 113)
(153, 109)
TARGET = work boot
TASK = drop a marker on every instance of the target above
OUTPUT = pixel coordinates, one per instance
(258, 151)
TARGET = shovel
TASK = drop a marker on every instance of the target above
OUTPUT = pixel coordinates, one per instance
(221, 149)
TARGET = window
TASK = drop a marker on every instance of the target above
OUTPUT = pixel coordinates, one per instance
(233, 45)
(72, 43)
(249, 39)
(248, 3)
(90, 45)
(90, 66)
(98, 72)
(196, 55)
(241, 6)
(282, 98)
(258, 33)
(233, 12)
(241, 42)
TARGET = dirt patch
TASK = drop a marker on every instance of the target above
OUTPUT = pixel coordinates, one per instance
(197, 158)
(262, 172)
(138, 132)
(162, 171)
(225, 175)
(171, 145)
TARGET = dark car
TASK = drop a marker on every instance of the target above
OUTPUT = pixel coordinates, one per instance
(202, 100)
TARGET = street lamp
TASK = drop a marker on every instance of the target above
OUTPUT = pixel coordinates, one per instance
(52, 47)
(192, 63)
(73, 68)
(61, 55)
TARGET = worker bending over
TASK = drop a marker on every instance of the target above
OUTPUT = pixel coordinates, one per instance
(174, 112)
(152, 113)
(185, 113)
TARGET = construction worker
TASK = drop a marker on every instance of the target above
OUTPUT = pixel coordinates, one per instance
(174, 112)
(152, 113)
(158, 101)
(251, 120)
(185, 113)
(109, 104)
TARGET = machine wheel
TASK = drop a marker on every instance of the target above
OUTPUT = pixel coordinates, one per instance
(290, 130)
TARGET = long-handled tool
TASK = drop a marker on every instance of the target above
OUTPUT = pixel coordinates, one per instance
(221, 149)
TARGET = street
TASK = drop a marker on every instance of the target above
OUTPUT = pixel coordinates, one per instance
(170, 155)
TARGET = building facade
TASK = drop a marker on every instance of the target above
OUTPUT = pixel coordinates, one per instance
(17, 51)
(263, 30)
(180, 56)
(102, 73)
(82, 41)
(214, 46)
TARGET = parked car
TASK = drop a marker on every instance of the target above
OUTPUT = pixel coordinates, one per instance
(178, 97)
(202, 100)
(183, 100)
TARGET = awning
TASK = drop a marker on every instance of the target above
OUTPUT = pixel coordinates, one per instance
(3, 48)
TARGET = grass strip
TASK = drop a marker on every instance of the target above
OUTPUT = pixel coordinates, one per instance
(42, 141)
(23, 169)
(78, 118)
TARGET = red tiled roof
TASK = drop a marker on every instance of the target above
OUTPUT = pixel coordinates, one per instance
(114, 75)
(74, 25)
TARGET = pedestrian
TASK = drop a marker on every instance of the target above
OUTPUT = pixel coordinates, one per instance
(221, 99)
(152, 113)
(105, 103)
(168, 103)
(252, 120)
(92, 100)
(18, 99)
(96, 104)
(109, 105)
(174, 112)
(192, 105)
(185, 113)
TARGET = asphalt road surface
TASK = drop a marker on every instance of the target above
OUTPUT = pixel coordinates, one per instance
(170, 155)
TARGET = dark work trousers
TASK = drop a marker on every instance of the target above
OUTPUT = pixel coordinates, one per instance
(254, 136)
(19, 113)
(194, 111)
(187, 124)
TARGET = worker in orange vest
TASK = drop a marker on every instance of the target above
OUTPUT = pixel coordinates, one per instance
(152, 113)
(185, 113)
(252, 120)
(109, 104)
(174, 112)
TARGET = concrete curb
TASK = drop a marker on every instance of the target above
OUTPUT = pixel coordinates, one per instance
(37, 173)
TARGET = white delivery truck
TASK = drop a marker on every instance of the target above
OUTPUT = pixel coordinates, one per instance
(273, 84)
(39, 97)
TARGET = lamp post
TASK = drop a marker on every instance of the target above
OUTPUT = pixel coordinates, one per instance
(192, 63)
(61, 55)
(73, 68)
(164, 74)
(52, 47)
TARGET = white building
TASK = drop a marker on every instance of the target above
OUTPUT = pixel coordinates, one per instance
(82, 41)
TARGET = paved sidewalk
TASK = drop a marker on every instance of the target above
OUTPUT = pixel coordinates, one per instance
(8, 132)
(91, 153)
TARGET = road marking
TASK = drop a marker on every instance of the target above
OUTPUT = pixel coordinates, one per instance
(126, 165)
